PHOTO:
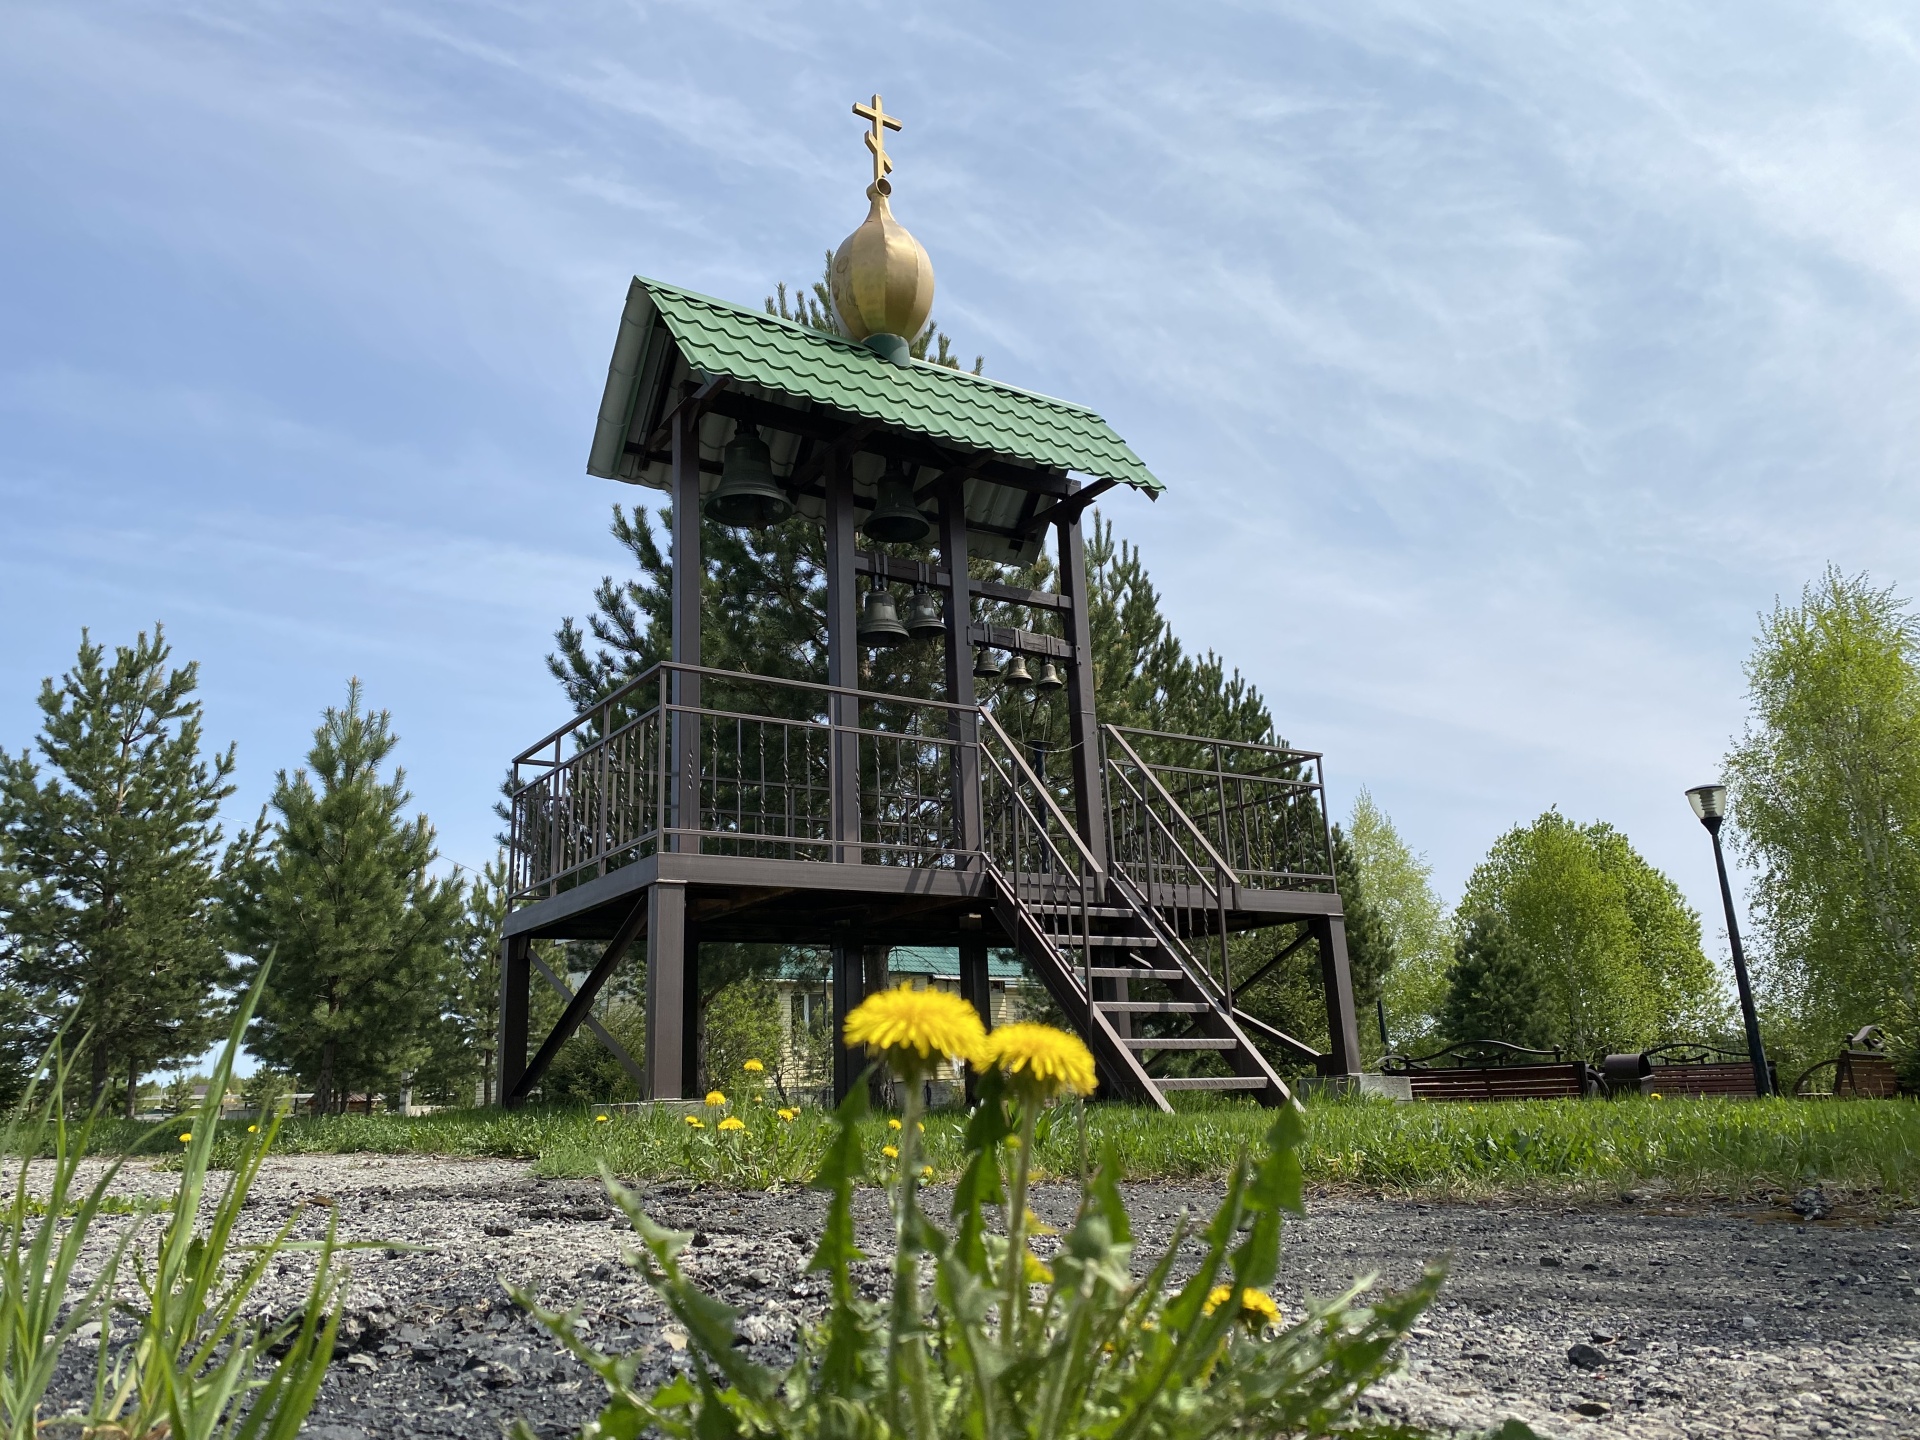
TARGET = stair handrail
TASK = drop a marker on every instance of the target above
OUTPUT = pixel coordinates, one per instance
(1053, 806)
(1224, 874)
(1112, 732)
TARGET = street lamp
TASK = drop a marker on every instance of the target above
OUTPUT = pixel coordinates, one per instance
(1710, 805)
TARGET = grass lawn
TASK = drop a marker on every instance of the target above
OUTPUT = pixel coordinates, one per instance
(1692, 1147)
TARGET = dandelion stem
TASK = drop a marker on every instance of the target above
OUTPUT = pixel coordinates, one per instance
(1015, 1308)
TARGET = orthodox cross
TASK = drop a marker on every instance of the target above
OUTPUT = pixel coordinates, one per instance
(880, 122)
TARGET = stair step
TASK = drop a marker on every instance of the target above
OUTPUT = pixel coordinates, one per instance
(1153, 1007)
(1093, 912)
(1072, 939)
(1194, 1042)
(1129, 972)
(1213, 1082)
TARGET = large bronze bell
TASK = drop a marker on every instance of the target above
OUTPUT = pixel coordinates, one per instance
(924, 621)
(1015, 676)
(748, 494)
(986, 664)
(879, 622)
(896, 520)
(1049, 680)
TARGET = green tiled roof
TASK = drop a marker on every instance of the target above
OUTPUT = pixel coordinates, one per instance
(755, 348)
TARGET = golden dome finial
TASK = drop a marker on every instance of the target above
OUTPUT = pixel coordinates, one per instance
(882, 280)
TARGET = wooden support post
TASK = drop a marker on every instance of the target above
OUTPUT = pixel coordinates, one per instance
(964, 727)
(846, 995)
(1083, 727)
(976, 988)
(843, 658)
(666, 990)
(689, 571)
(873, 979)
(1337, 980)
(693, 1047)
(515, 992)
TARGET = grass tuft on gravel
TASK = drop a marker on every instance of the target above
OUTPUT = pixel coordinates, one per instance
(1700, 1147)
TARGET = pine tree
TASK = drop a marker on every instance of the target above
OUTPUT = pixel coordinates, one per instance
(475, 1013)
(113, 907)
(1493, 990)
(363, 933)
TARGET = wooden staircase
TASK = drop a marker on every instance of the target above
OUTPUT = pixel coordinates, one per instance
(1113, 961)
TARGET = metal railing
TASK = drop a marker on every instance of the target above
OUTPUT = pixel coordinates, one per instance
(1174, 876)
(1262, 808)
(1036, 854)
(717, 762)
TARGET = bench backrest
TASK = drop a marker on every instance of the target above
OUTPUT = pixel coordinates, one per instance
(1729, 1078)
(1568, 1080)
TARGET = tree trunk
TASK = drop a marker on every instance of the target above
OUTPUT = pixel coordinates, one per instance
(101, 1071)
(323, 1083)
(133, 1089)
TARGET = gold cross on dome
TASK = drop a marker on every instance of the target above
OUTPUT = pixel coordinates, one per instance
(879, 122)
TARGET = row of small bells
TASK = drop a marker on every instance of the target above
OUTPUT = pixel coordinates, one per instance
(749, 496)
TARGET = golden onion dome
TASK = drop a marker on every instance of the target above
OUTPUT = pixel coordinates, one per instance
(882, 279)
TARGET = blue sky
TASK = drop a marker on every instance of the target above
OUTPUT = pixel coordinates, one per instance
(1502, 362)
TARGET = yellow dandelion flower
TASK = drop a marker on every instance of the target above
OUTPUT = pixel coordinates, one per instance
(926, 1172)
(184, 1138)
(893, 1124)
(1037, 1273)
(1654, 1096)
(753, 1067)
(786, 1114)
(600, 1120)
(253, 1129)
(912, 1028)
(890, 1152)
(696, 1122)
(733, 1122)
(715, 1098)
(1257, 1309)
(1040, 1061)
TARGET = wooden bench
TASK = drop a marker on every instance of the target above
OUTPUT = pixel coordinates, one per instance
(1861, 1071)
(1492, 1070)
(1687, 1071)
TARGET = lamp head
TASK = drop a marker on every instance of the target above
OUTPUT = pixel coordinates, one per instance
(1709, 804)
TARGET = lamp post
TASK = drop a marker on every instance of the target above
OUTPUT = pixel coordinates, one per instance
(1710, 805)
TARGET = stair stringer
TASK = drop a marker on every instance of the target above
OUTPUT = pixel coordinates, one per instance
(1120, 1069)
(1246, 1058)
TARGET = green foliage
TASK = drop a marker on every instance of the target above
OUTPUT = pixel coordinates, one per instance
(199, 1364)
(741, 1023)
(1493, 988)
(1100, 1353)
(1370, 951)
(1825, 805)
(1399, 884)
(1615, 949)
(112, 863)
(363, 930)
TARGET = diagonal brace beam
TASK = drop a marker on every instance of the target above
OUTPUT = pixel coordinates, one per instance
(592, 1022)
(1267, 969)
(582, 1002)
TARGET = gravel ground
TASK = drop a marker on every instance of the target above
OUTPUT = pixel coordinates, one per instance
(1636, 1319)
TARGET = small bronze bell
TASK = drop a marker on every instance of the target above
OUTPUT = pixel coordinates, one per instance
(1049, 680)
(748, 495)
(924, 621)
(896, 520)
(879, 622)
(1015, 676)
(986, 664)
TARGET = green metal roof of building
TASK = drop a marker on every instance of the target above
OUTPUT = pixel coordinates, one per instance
(806, 365)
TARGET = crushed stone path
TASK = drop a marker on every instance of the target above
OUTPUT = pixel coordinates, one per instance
(1645, 1320)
